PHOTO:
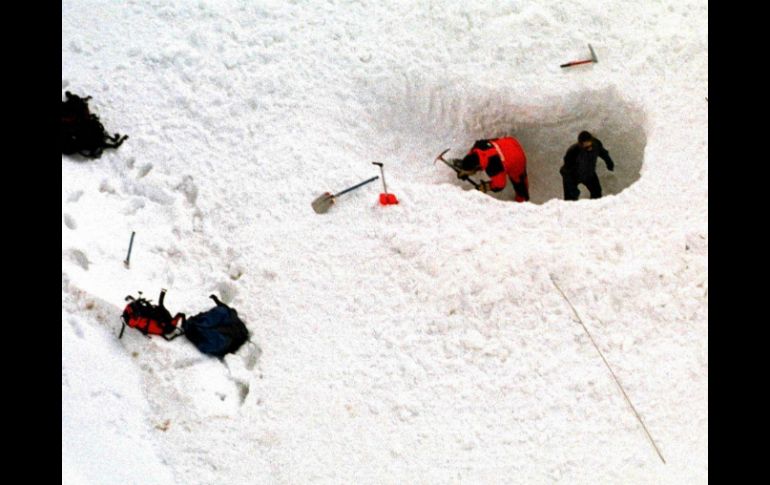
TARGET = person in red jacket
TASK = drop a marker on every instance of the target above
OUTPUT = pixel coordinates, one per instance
(498, 157)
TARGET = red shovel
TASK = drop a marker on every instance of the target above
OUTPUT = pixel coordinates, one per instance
(385, 197)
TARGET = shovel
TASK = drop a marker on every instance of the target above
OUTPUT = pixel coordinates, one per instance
(323, 202)
(385, 198)
(575, 63)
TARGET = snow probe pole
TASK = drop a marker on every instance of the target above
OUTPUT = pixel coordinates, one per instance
(617, 381)
(322, 203)
(130, 245)
(457, 171)
(385, 198)
(575, 63)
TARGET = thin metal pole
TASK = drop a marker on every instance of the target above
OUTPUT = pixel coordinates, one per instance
(130, 245)
(382, 171)
(357, 186)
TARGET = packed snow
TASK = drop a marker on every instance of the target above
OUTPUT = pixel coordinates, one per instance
(424, 342)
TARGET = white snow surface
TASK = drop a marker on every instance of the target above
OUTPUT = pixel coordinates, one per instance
(417, 343)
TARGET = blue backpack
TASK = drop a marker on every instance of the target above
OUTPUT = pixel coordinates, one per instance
(216, 332)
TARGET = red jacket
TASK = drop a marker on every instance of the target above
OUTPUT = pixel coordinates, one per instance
(501, 156)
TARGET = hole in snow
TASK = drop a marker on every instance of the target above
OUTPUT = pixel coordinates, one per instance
(417, 122)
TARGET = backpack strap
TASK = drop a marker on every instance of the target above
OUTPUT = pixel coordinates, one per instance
(179, 330)
(217, 301)
(128, 298)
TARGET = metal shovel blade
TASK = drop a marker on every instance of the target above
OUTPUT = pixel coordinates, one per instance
(323, 202)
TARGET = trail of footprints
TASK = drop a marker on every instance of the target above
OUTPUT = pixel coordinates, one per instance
(227, 290)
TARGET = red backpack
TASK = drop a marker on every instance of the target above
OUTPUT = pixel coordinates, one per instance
(150, 319)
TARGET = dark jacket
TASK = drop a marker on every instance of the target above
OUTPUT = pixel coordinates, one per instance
(580, 164)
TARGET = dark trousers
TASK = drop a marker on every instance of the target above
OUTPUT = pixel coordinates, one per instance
(521, 188)
(571, 191)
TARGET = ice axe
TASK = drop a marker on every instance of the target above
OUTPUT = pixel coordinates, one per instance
(385, 198)
(457, 170)
(322, 203)
(592, 59)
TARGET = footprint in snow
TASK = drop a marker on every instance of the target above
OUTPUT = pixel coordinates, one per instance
(144, 170)
(79, 258)
(75, 196)
(69, 221)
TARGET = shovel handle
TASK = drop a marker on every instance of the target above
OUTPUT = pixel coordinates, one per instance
(382, 171)
(575, 63)
(357, 186)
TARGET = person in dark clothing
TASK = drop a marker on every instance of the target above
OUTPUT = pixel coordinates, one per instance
(580, 166)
